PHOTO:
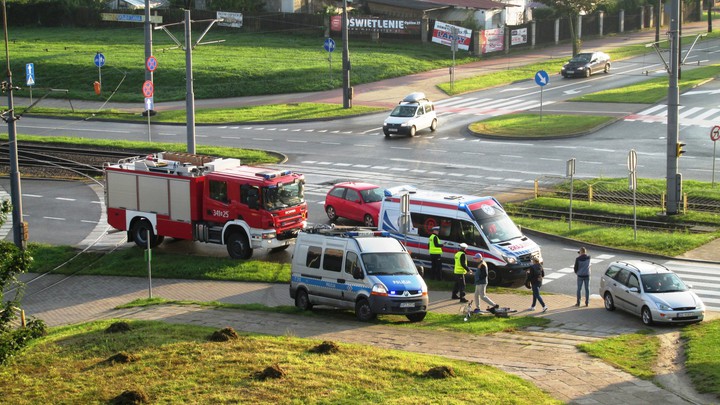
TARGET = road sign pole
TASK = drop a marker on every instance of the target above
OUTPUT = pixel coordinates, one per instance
(713, 171)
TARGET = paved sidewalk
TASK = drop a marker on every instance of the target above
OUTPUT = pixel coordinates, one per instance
(545, 356)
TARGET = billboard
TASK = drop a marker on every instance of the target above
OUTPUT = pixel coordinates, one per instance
(376, 24)
(442, 34)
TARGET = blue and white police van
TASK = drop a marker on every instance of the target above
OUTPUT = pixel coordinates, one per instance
(480, 222)
(359, 269)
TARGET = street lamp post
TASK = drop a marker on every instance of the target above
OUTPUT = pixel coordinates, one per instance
(347, 93)
(15, 193)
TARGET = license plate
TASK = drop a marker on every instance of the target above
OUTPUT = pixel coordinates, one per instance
(571, 71)
(407, 304)
(685, 314)
(392, 130)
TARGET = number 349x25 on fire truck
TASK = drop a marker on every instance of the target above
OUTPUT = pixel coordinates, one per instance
(206, 199)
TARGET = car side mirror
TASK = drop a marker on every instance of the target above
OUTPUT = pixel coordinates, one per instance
(421, 271)
(358, 273)
(633, 289)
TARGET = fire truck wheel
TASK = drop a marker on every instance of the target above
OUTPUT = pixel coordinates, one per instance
(139, 234)
(302, 301)
(238, 246)
(279, 248)
(363, 311)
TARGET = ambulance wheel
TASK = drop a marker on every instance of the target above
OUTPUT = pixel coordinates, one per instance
(416, 317)
(238, 246)
(369, 221)
(413, 130)
(139, 234)
(302, 301)
(494, 276)
(433, 126)
(363, 311)
(330, 211)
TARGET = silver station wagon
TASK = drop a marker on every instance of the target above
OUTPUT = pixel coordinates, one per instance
(651, 291)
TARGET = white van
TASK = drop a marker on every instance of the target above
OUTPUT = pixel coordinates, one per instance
(413, 113)
(481, 222)
(359, 269)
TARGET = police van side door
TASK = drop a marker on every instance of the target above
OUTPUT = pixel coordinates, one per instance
(331, 269)
(350, 267)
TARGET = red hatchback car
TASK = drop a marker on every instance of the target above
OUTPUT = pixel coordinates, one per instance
(356, 201)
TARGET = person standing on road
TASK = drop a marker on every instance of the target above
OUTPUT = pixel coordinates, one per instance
(535, 275)
(435, 251)
(459, 272)
(481, 274)
(582, 270)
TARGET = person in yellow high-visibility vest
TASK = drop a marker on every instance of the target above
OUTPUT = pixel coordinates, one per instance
(435, 251)
(459, 272)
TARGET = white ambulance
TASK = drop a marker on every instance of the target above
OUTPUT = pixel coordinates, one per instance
(480, 222)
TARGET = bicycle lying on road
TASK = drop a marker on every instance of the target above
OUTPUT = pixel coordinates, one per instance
(468, 312)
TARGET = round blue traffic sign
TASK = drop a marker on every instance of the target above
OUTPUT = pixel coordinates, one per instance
(542, 78)
(329, 44)
(99, 59)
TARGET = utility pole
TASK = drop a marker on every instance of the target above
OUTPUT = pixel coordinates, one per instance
(189, 89)
(15, 192)
(674, 179)
(148, 46)
(347, 90)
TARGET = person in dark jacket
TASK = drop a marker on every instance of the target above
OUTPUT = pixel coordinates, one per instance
(535, 275)
(481, 275)
(582, 270)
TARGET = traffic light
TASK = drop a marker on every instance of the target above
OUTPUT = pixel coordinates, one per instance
(679, 151)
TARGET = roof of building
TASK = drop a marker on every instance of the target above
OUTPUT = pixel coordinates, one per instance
(477, 4)
(412, 4)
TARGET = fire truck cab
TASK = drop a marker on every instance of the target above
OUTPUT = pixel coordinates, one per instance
(206, 199)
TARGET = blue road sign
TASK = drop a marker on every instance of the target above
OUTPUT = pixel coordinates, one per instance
(30, 74)
(542, 78)
(329, 45)
(149, 104)
(99, 59)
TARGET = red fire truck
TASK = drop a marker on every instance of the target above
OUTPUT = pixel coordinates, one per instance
(207, 199)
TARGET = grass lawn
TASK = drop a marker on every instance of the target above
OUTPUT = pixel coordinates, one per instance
(634, 353)
(703, 356)
(528, 125)
(260, 113)
(178, 364)
(245, 64)
(653, 90)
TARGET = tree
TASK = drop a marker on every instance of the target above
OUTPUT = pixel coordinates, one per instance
(13, 262)
(573, 8)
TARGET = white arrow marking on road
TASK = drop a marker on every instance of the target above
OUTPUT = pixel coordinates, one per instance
(690, 93)
(575, 91)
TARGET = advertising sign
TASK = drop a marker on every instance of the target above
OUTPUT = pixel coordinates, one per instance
(234, 20)
(518, 37)
(442, 34)
(376, 24)
(492, 40)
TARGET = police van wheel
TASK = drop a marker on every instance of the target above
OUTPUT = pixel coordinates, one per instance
(363, 311)
(416, 317)
(302, 301)
(433, 126)
(238, 246)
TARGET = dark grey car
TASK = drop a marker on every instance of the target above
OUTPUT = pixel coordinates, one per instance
(585, 64)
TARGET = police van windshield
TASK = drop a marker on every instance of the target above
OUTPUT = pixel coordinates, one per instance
(404, 111)
(284, 195)
(384, 264)
(495, 224)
